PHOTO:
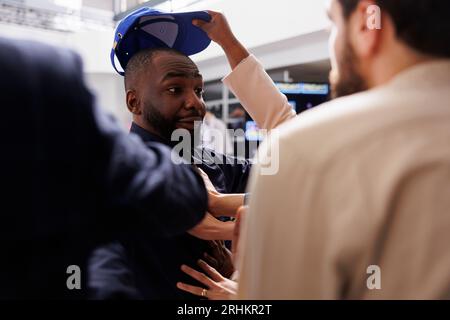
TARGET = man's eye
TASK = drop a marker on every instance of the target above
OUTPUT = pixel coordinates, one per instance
(174, 90)
(199, 92)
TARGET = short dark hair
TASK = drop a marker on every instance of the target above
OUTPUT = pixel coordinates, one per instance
(423, 25)
(141, 60)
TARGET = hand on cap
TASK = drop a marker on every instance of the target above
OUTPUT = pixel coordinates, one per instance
(218, 29)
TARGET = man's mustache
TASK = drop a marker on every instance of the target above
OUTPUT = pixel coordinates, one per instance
(191, 114)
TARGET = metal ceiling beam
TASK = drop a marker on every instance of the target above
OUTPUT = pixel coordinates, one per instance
(53, 17)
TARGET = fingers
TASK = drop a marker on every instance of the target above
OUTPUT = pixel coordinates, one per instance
(214, 244)
(213, 273)
(242, 211)
(217, 248)
(191, 289)
(202, 173)
(199, 23)
(209, 186)
(213, 13)
(210, 260)
(200, 277)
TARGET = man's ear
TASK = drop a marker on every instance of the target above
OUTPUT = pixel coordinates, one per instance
(365, 27)
(133, 103)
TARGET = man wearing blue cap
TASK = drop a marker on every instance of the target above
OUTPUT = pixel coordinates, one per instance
(164, 92)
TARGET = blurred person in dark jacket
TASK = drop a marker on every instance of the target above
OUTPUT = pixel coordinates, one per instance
(72, 179)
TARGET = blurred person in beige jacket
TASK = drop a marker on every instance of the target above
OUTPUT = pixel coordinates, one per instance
(360, 206)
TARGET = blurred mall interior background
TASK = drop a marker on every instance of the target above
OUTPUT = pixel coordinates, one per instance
(289, 37)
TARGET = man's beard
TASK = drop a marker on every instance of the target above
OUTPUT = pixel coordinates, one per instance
(165, 127)
(161, 125)
(349, 80)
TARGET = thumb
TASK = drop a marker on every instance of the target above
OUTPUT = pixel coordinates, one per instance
(198, 23)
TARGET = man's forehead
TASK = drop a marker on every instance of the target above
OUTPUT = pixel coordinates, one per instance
(172, 65)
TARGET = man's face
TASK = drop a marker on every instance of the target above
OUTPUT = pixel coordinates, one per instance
(345, 75)
(171, 92)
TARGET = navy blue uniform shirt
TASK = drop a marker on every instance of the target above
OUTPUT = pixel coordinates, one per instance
(149, 268)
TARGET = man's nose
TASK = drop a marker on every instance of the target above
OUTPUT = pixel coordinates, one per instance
(193, 101)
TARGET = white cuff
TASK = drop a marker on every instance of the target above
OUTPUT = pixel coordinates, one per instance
(240, 68)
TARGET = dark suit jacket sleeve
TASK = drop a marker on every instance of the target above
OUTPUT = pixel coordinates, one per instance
(140, 179)
(129, 183)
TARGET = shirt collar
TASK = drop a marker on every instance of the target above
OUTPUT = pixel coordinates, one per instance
(145, 135)
(424, 75)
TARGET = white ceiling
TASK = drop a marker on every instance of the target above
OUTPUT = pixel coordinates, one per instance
(99, 4)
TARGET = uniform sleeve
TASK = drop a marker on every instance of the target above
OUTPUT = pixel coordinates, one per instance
(257, 93)
(237, 175)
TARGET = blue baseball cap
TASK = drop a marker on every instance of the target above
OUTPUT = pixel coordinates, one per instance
(149, 28)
